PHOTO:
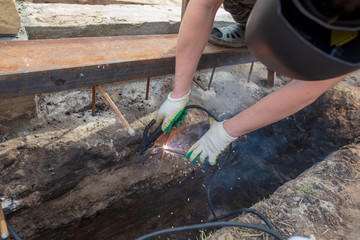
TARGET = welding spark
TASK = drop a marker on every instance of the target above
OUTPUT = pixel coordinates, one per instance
(166, 148)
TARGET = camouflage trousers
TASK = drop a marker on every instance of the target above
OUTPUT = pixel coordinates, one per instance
(239, 9)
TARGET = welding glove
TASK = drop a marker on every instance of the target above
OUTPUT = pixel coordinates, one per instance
(171, 110)
(209, 146)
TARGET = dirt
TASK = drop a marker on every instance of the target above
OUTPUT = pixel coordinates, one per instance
(66, 165)
(322, 203)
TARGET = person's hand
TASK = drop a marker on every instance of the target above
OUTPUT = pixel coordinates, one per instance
(209, 146)
(171, 111)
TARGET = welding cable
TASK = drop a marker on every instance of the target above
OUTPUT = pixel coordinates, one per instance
(12, 232)
(238, 211)
(226, 160)
(212, 225)
(203, 109)
(247, 210)
(213, 178)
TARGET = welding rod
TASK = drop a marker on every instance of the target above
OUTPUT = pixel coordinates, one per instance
(174, 151)
(3, 228)
(117, 112)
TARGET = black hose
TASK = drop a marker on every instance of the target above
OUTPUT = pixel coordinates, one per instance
(12, 232)
(247, 210)
(204, 109)
(212, 225)
(213, 179)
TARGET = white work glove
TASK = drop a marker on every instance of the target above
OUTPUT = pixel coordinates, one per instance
(171, 110)
(209, 146)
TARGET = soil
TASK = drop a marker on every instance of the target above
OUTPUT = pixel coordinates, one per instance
(66, 166)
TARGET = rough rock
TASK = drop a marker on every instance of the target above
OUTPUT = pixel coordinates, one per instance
(9, 18)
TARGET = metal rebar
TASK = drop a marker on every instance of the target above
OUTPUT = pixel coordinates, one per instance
(271, 77)
(199, 84)
(211, 77)
(117, 111)
(147, 89)
(93, 104)
(251, 68)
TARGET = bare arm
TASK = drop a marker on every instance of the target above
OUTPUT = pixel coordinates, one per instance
(193, 36)
(280, 104)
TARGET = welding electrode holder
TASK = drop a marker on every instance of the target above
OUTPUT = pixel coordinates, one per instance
(149, 138)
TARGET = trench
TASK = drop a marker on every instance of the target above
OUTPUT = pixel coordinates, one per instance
(260, 163)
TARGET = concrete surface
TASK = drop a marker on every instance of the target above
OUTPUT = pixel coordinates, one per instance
(58, 20)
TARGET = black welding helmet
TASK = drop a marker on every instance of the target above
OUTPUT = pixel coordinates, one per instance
(294, 38)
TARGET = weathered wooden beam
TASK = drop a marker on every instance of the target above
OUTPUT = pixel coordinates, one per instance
(39, 66)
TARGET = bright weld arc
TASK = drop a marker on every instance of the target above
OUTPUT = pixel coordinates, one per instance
(167, 149)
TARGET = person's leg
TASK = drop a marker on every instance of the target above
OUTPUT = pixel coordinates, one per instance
(233, 35)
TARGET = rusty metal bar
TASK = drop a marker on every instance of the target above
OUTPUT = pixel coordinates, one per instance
(199, 83)
(93, 104)
(271, 77)
(117, 112)
(49, 65)
(211, 77)
(251, 68)
(147, 88)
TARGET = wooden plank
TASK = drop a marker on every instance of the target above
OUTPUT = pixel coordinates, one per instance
(38, 66)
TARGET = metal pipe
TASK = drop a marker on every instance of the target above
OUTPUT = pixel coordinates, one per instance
(117, 112)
